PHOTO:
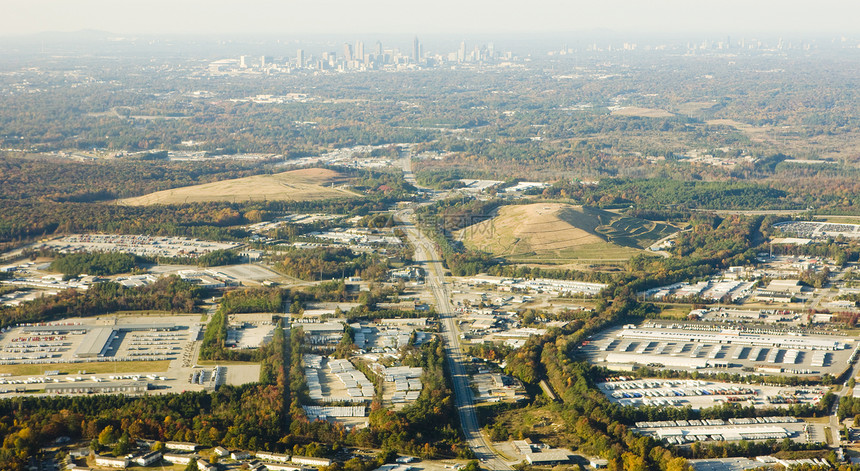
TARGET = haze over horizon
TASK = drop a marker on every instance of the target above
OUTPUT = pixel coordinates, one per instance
(309, 17)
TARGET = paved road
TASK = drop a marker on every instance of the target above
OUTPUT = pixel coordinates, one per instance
(425, 255)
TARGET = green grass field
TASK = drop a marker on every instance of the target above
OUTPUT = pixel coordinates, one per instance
(123, 367)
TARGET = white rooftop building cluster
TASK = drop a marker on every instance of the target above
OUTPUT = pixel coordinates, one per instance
(358, 387)
(324, 412)
(356, 384)
(406, 379)
(137, 244)
(545, 285)
(712, 290)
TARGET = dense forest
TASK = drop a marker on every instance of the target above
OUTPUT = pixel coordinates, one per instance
(170, 294)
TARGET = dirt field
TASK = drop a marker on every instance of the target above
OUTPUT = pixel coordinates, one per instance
(297, 185)
(238, 375)
(562, 232)
(693, 107)
(642, 112)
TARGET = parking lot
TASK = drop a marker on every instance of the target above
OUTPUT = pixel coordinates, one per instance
(158, 354)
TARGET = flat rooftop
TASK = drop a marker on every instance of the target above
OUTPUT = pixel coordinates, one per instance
(95, 341)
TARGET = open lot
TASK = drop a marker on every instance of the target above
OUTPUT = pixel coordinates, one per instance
(562, 231)
(250, 272)
(641, 112)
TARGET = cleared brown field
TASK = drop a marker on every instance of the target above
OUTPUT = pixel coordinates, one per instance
(296, 185)
(556, 232)
(642, 112)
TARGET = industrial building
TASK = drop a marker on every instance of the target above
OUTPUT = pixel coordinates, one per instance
(736, 337)
(548, 458)
(699, 346)
(687, 431)
(96, 342)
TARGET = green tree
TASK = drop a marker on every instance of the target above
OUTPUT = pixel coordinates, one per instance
(107, 436)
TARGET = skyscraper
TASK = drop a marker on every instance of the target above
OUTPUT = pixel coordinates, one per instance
(359, 51)
(300, 58)
(347, 52)
(416, 50)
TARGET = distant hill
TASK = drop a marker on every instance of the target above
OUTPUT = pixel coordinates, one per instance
(546, 232)
(296, 185)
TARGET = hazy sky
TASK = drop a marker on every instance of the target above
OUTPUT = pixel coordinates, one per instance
(296, 17)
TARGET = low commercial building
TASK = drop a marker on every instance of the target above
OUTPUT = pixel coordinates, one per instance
(148, 459)
(179, 459)
(549, 457)
(181, 446)
(275, 457)
(203, 465)
(283, 467)
(311, 461)
(111, 462)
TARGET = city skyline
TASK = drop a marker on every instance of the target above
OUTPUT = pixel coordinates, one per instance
(445, 17)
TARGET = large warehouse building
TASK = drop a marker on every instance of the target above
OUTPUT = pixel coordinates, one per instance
(699, 346)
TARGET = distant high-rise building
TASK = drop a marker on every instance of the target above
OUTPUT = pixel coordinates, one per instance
(416, 50)
(359, 51)
(242, 62)
(378, 50)
(461, 53)
(300, 58)
(347, 52)
(262, 62)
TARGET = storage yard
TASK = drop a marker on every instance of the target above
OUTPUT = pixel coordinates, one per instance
(132, 354)
(819, 230)
(699, 394)
(142, 245)
(99, 339)
(699, 346)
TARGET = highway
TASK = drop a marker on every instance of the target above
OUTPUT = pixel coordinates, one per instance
(426, 256)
